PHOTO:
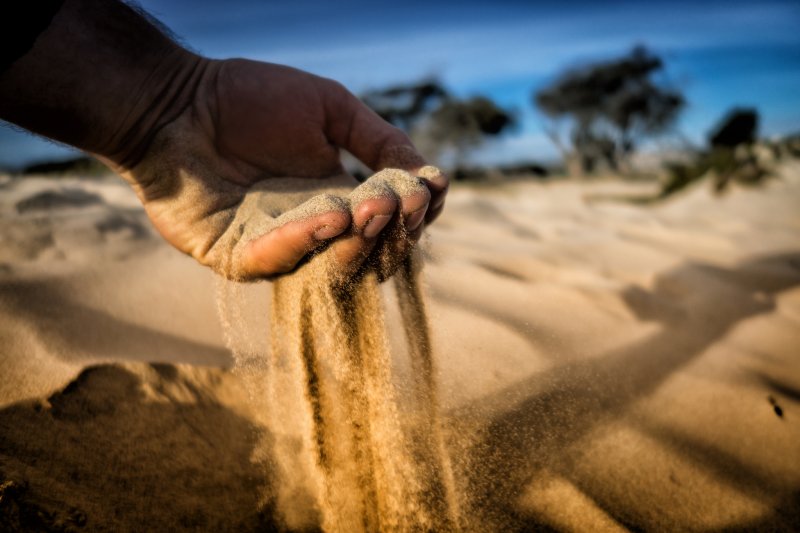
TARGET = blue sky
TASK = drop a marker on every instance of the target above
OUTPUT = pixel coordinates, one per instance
(720, 54)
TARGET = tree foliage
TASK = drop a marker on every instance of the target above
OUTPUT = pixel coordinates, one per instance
(404, 105)
(729, 158)
(427, 111)
(465, 123)
(739, 126)
(610, 106)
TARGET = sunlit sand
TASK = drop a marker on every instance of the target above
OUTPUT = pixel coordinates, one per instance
(601, 365)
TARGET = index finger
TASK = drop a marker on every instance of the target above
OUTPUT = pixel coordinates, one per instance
(359, 130)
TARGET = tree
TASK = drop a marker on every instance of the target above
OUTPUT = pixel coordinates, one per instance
(404, 105)
(464, 124)
(610, 106)
(739, 126)
(437, 120)
(728, 158)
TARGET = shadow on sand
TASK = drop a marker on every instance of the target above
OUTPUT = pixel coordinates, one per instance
(134, 448)
(71, 329)
(150, 447)
(532, 424)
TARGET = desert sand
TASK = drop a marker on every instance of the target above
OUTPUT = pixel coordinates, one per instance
(602, 365)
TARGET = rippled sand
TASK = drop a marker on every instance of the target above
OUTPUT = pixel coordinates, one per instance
(602, 365)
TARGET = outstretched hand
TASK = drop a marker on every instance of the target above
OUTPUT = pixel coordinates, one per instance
(250, 124)
(196, 137)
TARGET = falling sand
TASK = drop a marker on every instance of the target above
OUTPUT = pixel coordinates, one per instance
(368, 464)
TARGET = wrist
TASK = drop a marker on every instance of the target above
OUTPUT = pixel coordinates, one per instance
(171, 86)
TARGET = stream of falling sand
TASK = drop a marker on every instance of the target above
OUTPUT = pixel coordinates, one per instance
(373, 468)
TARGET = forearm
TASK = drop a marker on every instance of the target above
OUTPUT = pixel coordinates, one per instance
(101, 78)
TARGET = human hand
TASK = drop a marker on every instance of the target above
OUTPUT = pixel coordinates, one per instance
(259, 128)
(196, 137)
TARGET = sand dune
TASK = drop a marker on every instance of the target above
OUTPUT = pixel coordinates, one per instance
(603, 366)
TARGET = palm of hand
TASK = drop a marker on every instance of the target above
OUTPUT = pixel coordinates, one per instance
(251, 126)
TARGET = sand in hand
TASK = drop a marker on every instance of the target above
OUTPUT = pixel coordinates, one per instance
(370, 466)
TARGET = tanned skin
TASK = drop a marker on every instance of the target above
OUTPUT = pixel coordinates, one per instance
(173, 124)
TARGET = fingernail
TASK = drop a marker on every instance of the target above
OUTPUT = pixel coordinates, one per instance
(415, 219)
(326, 232)
(375, 225)
(437, 205)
